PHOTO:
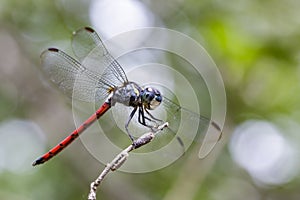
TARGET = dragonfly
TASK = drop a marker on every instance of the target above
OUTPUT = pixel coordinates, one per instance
(111, 85)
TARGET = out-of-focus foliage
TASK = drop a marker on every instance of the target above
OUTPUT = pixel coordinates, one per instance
(256, 46)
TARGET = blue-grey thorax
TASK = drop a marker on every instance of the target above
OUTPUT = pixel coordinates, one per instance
(129, 95)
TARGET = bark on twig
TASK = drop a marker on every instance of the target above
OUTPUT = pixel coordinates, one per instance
(119, 160)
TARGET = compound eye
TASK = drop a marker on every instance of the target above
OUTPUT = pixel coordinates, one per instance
(151, 98)
(155, 102)
(158, 98)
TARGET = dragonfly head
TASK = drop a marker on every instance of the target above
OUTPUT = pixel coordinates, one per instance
(151, 98)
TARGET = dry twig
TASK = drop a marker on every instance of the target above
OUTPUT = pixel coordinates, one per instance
(119, 160)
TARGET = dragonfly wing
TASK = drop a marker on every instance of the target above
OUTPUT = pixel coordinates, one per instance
(84, 41)
(212, 136)
(90, 50)
(187, 122)
(65, 71)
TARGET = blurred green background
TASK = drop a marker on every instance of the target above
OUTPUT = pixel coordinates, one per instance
(256, 46)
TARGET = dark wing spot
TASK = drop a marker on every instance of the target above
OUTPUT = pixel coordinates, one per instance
(53, 49)
(89, 29)
(214, 124)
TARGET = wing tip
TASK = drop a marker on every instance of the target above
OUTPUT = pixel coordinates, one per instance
(89, 29)
(214, 124)
(53, 49)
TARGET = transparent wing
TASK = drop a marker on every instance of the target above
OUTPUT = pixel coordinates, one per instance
(90, 79)
(64, 71)
(90, 50)
(188, 122)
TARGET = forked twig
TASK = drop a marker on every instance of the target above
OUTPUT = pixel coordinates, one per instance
(119, 160)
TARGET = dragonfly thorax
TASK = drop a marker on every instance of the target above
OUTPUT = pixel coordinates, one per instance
(151, 98)
(128, 94)
(131, 94)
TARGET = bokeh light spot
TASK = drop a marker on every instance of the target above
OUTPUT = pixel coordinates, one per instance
(261, 149)
(17, 145)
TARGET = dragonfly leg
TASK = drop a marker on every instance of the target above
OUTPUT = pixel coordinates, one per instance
(127, 123)
(142, 119)
(156, 119)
